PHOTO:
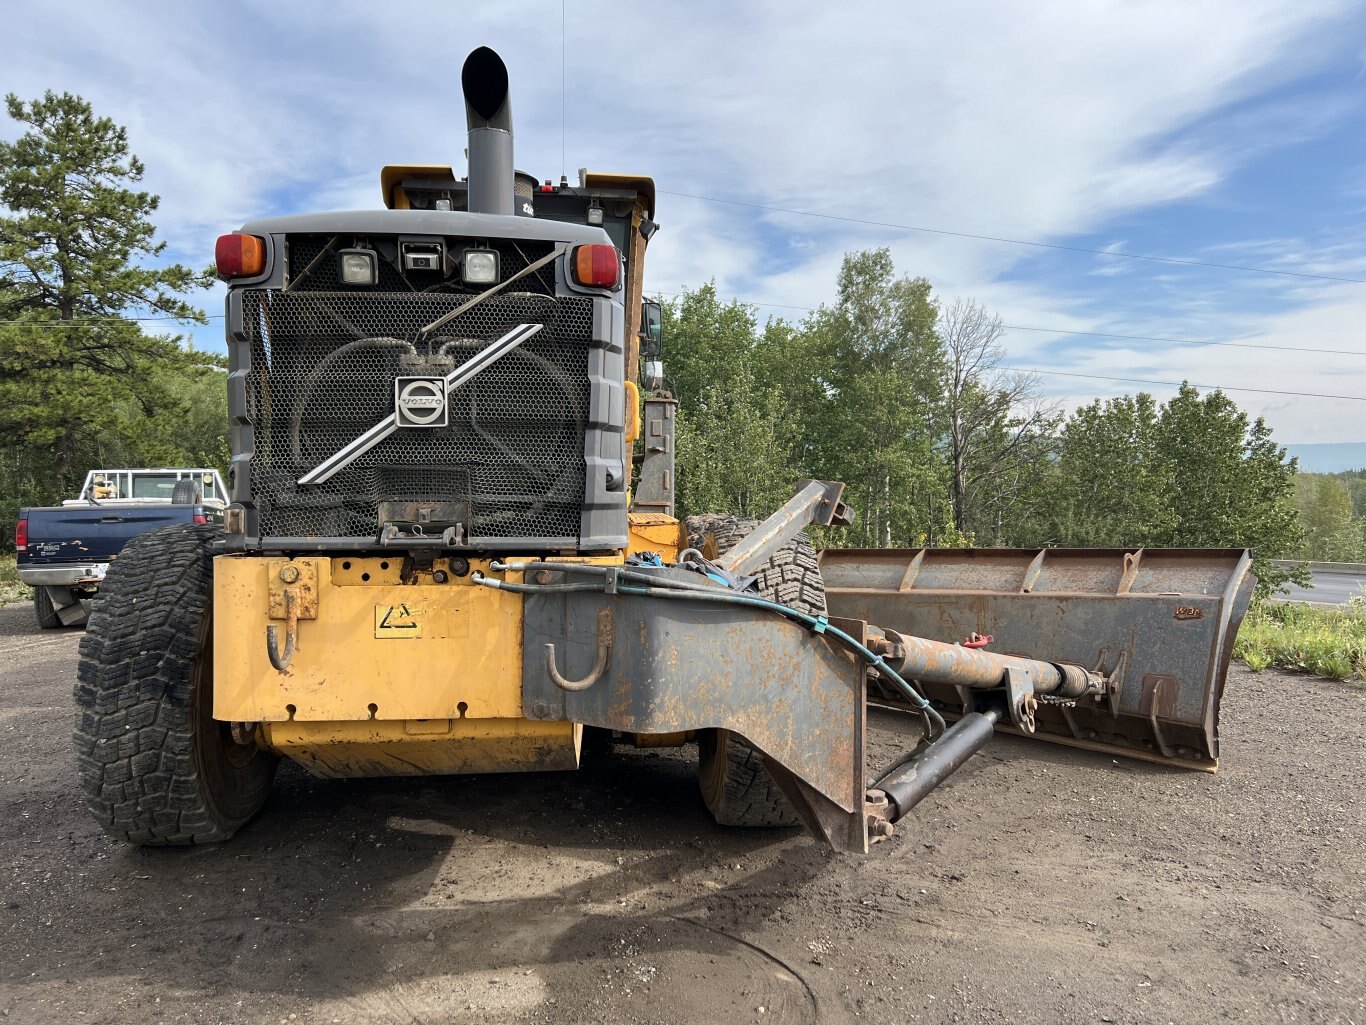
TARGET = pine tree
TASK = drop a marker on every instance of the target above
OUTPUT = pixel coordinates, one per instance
(76, 252)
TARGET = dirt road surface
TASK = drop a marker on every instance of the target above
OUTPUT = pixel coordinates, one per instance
(1041, 885)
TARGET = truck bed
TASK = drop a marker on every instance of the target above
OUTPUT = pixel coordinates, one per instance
(69, 547)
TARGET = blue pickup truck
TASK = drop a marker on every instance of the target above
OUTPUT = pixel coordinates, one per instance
(63, 551)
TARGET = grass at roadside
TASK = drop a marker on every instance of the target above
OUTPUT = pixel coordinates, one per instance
(1327, 642)
(11, 589)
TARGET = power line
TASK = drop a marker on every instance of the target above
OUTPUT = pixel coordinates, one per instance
(1093, 334)
(1183, 341)
(1017, 241)
(1173, 384)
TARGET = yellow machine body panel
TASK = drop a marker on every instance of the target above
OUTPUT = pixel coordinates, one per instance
(392, 174)
(656, 532)
(643, 185)
(426, 746)
(377, 649)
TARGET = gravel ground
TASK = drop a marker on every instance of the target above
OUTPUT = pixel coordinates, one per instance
(1041, 885)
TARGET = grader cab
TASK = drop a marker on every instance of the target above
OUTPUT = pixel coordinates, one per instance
(452, 548)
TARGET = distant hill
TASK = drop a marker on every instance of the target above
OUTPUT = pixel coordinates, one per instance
(1347, 455)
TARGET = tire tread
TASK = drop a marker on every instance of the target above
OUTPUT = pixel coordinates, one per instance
(748, 796)
(135, 728)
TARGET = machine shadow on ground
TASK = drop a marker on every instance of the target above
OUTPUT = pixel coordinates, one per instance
(360, 894)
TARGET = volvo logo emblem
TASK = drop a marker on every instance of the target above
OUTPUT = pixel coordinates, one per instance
(420, 401)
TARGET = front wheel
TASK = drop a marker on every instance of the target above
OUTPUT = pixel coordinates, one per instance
(736, 788)
(156, 767)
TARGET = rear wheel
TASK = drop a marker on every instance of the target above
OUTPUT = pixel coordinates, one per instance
(45, 611)
(156, 767)
(736, 788)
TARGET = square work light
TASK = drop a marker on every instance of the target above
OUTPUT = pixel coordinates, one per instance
(358, 267)
(480, 266)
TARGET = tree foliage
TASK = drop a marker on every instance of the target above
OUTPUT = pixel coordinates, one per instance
(880, 371)
(1335, 530)
(735, 445)
(81, 382)
(904, 398)
(1231, 485)
(996, 430)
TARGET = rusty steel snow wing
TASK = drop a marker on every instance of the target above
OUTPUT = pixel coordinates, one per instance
(651, 666)
(1157, 624)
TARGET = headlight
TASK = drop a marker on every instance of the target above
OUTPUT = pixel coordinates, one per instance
(358, 267)
(480, 267)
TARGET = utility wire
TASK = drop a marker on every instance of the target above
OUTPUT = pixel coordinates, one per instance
(1184, 341)
(1091, 334)
(51, 324)
(1140, 380)
(1173, 384)
(1011, 327)
(1016, 241)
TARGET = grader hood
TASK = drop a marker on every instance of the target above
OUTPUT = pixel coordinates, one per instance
(1157, 626)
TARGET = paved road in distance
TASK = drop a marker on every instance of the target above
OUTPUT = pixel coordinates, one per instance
(1329, 588)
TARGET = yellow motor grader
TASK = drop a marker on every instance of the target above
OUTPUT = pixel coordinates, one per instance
(451, 548)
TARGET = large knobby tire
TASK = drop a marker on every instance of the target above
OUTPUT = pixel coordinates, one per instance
(44, 610)
(156, 768)
(736, 788)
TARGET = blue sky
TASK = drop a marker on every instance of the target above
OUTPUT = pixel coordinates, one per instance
(1227, 131)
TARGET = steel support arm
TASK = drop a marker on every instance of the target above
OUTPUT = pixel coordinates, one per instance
(817, 502)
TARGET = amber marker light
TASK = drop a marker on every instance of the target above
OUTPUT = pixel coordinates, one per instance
(240, 256)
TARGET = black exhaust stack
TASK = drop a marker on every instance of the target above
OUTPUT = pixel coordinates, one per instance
(488, 113)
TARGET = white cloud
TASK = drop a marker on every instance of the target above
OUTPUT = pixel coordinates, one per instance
(1031, 122)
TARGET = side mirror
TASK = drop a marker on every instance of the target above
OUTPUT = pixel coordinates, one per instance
(651, 329)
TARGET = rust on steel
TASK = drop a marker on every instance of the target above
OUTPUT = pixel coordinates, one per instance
(1128, 616)
(815, 502)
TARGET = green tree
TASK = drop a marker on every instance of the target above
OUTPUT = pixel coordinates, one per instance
(879, 375)
(1355, 483)
(76, 253)
(1111, 488)
(737, 426)
(1231, 484)
(1331, 533)
(706, 340)
(735, 453)
(996, 431)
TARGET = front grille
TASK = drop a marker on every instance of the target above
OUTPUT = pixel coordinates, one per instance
(323, 366)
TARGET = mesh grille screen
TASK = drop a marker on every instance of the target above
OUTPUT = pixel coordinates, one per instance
(323, 366)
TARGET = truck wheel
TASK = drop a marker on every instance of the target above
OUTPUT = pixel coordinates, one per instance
(156, 768)
(736, 788)
(45, 610)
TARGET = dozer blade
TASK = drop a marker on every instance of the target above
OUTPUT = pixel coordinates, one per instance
(1158, 623)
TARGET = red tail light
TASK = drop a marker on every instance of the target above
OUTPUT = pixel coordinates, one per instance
(240, 256)
(21, 536)
(200, 519)
(597, 266)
